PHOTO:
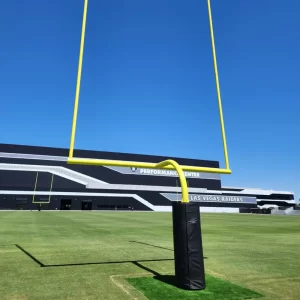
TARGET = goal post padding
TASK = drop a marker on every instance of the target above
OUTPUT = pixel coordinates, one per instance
(188, 250)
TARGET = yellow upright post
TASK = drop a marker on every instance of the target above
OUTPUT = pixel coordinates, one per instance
(72, 142)
(217, 84)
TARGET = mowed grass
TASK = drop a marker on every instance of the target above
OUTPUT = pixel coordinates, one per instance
(91, 255)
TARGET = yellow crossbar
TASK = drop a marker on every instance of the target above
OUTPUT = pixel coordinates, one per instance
(136, 164)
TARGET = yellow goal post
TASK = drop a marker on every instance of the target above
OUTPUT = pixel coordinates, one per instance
(168, 164)
(34, 192)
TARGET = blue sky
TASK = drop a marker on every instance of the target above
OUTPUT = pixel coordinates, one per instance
(148, 82)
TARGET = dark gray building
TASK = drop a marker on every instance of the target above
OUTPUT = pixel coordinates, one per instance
(31, 177)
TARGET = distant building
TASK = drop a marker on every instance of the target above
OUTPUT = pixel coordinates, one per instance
(30, 176)
(264, 198)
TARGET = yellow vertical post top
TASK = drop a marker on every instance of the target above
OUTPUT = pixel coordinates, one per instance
(217, 84)
(71, 151)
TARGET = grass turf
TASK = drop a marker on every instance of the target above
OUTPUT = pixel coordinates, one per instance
(89, 255)
(156, 289)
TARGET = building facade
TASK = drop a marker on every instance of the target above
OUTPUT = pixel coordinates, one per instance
(39, 177)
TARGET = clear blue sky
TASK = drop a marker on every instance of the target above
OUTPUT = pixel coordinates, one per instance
(148, 82)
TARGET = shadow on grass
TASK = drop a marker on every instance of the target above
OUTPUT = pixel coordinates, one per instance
(168, 279)
(30, 255)
(91, 263)
(107, 262)
(135, 262)
(142, 243)
(155, 246)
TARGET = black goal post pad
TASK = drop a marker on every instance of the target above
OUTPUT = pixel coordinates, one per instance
(188, 251)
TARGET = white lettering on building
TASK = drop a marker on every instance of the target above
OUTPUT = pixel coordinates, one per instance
(167, 172)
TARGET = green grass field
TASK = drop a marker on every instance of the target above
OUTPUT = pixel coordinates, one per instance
(115, 255)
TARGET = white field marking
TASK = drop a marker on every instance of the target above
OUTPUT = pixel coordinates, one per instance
(121, 286)
(215, 273)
